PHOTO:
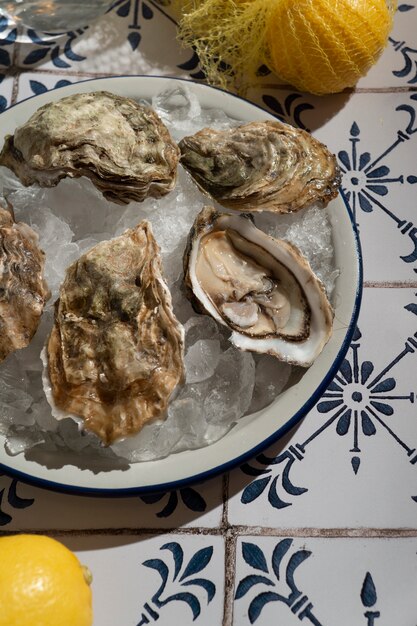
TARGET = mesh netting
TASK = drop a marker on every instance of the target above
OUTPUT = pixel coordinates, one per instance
(321, 46)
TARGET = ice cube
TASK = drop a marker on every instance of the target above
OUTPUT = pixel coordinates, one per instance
(271, 376)
(201, 360)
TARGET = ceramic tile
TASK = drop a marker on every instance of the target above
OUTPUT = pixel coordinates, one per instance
(24, 507)
(35, 83)
(397, 65)
(377, 155)
(171, 579)
(6, 91)
(7, 45)
(127, 40)
(352, 461)
(348, 582)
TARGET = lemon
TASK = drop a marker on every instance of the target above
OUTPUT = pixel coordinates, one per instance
(320, 46)
(42, 583)
(324, 46)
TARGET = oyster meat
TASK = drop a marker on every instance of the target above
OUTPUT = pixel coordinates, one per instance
(122, 146)
(261, 288)
(115, 353)
(261, 166)
(23, 290)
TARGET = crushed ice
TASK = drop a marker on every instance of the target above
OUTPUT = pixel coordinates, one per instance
(222, 383)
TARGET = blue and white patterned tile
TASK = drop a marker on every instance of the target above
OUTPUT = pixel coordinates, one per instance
(353, 460)
(171, 579)
(8, 36)
(323, 582)
(135, 37)
(397, 67)
(35, 83)
(376, 152)
(6, 90)
(24, 507)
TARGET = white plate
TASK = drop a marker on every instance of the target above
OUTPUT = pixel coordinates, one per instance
(253, 432)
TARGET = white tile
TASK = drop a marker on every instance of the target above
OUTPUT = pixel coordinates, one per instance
(24, 507)
(6, 90)
(397, 65)
(127, 586)
(134, 38)
(348, 582)
(375, 138)
(353, 460)
(34, 83)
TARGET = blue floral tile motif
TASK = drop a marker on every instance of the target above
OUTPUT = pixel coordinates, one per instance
(409, 54)
(179, 582)
(61, 53)
(366, 180)
(3, 100)
(8, 37)
(359, 401)
(13, 499)
(280, 589)
(290, 110)
(369, 599)
(189, 496)
(38, 87)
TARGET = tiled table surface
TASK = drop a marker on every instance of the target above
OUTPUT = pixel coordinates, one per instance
(323, 532)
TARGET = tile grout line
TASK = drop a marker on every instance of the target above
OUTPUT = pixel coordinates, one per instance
(232, 531)
(390, 284)
(229, 556)
(230, 540)
(86, 73)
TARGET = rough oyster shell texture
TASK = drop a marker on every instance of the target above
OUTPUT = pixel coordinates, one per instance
(261, 288)
(261, 166)
(122, 146)
(115, 353)
(23, 290)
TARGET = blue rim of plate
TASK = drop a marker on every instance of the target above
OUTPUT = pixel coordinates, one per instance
(252, 452)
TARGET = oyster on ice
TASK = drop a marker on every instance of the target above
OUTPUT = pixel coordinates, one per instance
(122, 146)
(115, 353)
(23, 290)
(261, 166)
(261, 288)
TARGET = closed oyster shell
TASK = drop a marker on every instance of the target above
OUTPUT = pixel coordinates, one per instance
(23, 290)
(262, 289)
(122, 146)
(261, 166)
(115, 353)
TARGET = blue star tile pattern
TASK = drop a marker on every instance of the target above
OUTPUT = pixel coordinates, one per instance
(367, 180)
(359, 402)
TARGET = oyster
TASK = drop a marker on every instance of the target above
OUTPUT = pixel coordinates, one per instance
(262, 288)
(122, 146)
(23, 290)
(261, 166)
(115, 353)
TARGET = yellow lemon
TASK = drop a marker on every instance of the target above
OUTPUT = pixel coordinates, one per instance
(42, 583)
(323, 46)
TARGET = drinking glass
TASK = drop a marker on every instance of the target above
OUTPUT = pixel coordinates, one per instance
(50, 18)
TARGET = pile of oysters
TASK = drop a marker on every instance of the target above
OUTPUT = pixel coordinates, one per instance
(114, 357)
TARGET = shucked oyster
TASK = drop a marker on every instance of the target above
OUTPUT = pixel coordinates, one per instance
(122, 146)
(261, 166)
(23, 291)
(261, 288)
(115, 354)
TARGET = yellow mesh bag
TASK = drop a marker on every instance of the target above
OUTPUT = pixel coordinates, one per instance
(321, 46)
